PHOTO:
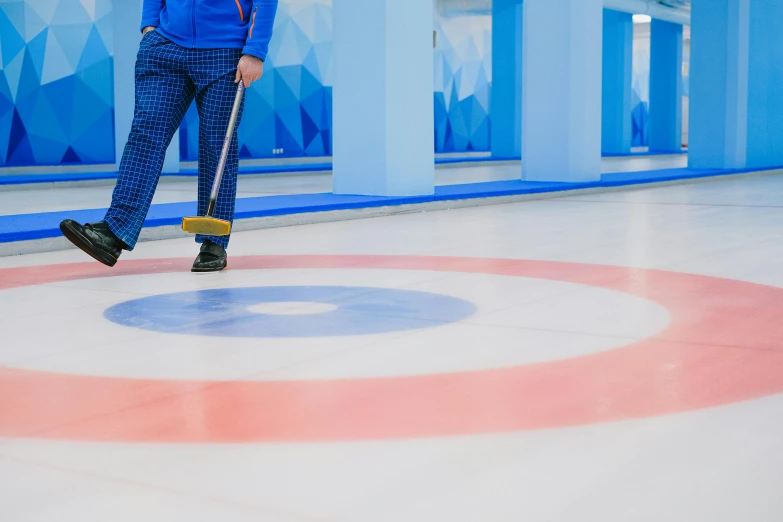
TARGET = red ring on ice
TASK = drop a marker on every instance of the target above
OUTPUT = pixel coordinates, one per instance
(724, 345)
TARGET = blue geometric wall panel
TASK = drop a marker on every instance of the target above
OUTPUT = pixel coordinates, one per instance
(56, 82)
(463, 78)
(56, 85)
(289, 112)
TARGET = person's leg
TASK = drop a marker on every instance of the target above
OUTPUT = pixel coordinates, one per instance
(164, 91)
(214, 101)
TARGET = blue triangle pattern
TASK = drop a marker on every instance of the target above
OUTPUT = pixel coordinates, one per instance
(13, 41)
(37, 52)
(94, 51)
(6, 100)
(308, 85)
(33, 24)
(29, 81)
(14, 11)
(70, 156)
(18, 145)
(13, 72)
(94, 145)
(42, 121)
(309, 128)
(73, 40)
(291, 107)
(314, 107)
(57, 91)
(43, 9)
(296, 88)
(462, 93)
(5, 134)
(70, 117)
(47, 150)
(70, 12)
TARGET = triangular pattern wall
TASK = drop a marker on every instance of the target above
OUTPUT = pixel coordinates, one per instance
(463, 79)
(56, 82)
(289, 112)
(56, 85)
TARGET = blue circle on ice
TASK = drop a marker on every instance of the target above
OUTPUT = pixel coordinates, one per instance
(290, 311)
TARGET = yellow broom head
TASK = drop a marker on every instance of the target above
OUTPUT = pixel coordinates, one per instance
(206, 226)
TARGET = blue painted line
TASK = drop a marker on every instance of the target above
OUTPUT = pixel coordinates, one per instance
(24, 227)
(224, 312)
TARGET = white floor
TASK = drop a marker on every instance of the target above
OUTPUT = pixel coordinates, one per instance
(32, 199)
(446, 306)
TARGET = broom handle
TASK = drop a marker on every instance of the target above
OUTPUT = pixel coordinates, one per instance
(226, 146)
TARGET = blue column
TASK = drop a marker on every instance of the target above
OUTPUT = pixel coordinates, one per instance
(506, 104)
(383, 119)
(765, 85)
(720, 39)
(736, 99)
(561, 90)
(665, 86)
(127, 20)
(616, 126)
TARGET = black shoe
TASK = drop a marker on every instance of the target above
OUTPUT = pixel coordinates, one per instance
(95, 239)
(212, 258)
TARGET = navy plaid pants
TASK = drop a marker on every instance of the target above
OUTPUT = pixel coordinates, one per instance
(168, 79)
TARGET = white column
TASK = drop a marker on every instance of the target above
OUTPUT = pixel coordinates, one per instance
(561, 90)
(127, 20)
(383, 119)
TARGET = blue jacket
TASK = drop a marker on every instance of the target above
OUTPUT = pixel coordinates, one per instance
(214, 24)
